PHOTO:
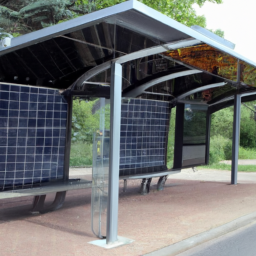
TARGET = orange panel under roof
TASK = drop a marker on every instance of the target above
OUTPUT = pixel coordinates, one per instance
(214, 61)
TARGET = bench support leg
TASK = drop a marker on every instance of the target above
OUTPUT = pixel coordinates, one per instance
(161, 183)
(38, 203)
(145, 186)
(58, 201)
(125, 185)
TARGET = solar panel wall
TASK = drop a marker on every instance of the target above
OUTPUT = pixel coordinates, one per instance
(32, 135)
(144, 127)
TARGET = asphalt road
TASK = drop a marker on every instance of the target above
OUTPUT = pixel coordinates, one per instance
(241, 242)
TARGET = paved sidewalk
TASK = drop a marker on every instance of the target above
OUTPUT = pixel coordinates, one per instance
(191, 203)
(215, 175)
(241, 161)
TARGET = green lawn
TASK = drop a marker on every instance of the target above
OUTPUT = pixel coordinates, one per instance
(221, 166)
(244, 153)
(81, 154)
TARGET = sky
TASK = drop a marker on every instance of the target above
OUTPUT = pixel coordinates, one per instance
(237, 18)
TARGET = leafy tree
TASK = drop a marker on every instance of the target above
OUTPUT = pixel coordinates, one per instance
(23, 16)
(181, 10)
(222, 124)
(248, 126)
(86, 120)
(84, 124)
(218, 32)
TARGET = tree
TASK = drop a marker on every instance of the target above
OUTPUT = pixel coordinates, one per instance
(84, 124)
(23, 16)
(181, 10)
(222, 124)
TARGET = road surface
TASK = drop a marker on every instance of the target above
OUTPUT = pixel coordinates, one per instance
(241, 242)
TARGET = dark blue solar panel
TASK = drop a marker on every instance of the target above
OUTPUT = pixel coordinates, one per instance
(144, 126)
(32, 135)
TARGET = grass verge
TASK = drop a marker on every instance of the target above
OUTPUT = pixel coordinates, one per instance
(221, 166)
(81, 154)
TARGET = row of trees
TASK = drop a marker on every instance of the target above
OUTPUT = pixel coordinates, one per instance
(23, 16)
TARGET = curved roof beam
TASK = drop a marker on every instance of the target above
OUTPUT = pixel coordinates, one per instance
(246, 94)
(135, 55)
(222, 100)
(199, 89)
(156, 50)
(230, 102)
(139, 90)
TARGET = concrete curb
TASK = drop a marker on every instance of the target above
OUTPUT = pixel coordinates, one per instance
(206, 236)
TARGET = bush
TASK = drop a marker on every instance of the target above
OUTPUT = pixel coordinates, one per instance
(219, 148)
(84, 123)
(228, 150)
(81, 154)
(247, 153)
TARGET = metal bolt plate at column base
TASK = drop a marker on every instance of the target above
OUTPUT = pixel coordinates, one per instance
(120, 241)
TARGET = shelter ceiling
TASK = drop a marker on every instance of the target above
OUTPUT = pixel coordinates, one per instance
(58, 55)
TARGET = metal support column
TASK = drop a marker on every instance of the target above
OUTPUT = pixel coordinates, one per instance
(178, 146)
(208, 137)
(236, 138)
(69, 99)
(115, 121)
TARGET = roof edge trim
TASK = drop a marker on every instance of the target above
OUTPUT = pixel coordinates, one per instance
(65, 27)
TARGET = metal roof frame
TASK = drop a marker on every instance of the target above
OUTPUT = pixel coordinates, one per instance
(139, 90)
(101, 15)
(199, 89)
(125, 12)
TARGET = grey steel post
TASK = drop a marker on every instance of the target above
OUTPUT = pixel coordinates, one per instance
(114, 151)
(69, 99)
(236, 138)
(208, 137)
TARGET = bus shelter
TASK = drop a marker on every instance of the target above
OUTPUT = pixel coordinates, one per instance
(138, 64)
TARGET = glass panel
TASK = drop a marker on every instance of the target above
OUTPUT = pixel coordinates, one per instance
(100, 169)
(194, 134)
(193, 155)
(194, 124)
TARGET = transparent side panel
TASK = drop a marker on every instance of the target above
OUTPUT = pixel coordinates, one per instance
(194, 135)
(100, 168)
(171, 139)
(194, 124)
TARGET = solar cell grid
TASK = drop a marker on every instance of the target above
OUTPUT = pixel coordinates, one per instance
(32, 135)
(144, 124)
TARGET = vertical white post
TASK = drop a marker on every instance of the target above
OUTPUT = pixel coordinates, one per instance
(115, 123)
